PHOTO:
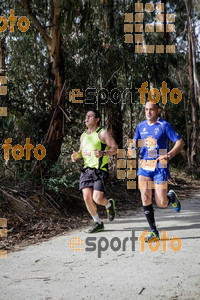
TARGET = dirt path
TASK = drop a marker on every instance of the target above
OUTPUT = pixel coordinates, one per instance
(52, 270)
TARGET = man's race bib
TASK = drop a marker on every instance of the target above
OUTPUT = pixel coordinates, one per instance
(151, 142)
(86, 152)
(148, 165)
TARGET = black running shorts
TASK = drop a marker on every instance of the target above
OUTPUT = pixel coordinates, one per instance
(93, 178)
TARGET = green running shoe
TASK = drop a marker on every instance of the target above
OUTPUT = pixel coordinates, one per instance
(111, 212)
(176, 204)
(153, 234)
(96, 228)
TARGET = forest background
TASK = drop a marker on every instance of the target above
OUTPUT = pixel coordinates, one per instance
(79, 45)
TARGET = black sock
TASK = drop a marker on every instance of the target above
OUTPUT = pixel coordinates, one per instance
(171, 199)
(149, 213)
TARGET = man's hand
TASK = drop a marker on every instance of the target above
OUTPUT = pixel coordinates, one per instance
(98, 153)
(74, 156)
(163, 159)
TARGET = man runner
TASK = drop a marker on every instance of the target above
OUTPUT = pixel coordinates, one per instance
(153, 136)
(96, 144)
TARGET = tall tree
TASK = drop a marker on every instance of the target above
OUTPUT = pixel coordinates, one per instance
(114, 112)
(53, 40)
(193, 100)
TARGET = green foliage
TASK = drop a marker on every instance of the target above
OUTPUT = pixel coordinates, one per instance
(64, 174)
(94, 55)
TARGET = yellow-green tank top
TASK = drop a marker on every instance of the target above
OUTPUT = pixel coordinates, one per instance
(90, 142)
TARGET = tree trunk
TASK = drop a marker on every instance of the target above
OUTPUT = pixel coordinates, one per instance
(186, 121)
(114, 113)
(2, 56)
(56, 132)
(3, 109)
(165, 114)
(193, 103)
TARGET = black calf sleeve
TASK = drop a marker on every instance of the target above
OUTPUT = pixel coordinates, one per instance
(149, 213)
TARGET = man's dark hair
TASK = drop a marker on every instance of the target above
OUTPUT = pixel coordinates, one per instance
(96, 113)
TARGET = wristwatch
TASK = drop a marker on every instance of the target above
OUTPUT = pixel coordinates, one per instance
(103, 153)
(169, 156)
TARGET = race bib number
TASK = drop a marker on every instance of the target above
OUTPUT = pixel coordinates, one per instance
(148, 165)
(151, 142)
(86, 152)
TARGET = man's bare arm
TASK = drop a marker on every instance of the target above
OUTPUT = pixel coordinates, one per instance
(177, 147)
(175, 150)
(106, 137)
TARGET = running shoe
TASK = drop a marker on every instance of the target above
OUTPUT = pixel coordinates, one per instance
(176, 204)
(153, 234)
(111, 212)
(96, 228)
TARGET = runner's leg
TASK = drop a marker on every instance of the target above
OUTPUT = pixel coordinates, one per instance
(99, 198)
(91, 207)
(163, 199)
(161, 194)
(88, 198)
(146, 196)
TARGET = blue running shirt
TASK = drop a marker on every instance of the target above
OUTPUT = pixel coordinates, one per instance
(155, 138)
